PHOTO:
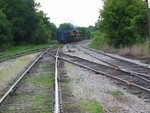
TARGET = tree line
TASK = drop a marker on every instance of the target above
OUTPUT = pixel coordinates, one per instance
(21, 23)
(122, 22)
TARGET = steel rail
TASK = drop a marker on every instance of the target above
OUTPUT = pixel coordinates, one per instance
(108, 75)
(122, 70)
(12, 88)
(57, 104)
(85, 59)
(57, 107)
(51, 54)
(138, 75)
(101, 52)
(125, 70)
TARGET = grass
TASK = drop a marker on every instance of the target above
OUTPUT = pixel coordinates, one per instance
(89, 90)
(23, 98)
(16, 49)
(91, 106)
(115, 110)
(38, 100)
(43, 66)
(132, 92)
(144, 47)
(135, 50)
(95, 46)
(99, 41)
(79, 79)
(43, 80)
(116, 92)
(11, 71)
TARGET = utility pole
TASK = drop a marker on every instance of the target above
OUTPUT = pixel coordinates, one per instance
(148, 20)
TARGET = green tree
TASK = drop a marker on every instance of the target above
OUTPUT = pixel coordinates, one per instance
(123, 21)
(65, 26)
(46, 30)
(91, 28)
(26, 24)
(86, 34)
(5, 31)
(21, 15)
(53, 29)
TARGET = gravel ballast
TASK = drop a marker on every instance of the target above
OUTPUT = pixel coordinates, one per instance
(87, 85)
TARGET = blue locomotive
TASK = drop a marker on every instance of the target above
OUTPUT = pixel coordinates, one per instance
(64, 36)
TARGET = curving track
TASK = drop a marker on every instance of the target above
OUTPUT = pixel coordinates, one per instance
(38, 89)
(128, 75)
(117, 62)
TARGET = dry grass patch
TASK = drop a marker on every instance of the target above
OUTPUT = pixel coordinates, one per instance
(12, 70)
(135, 50)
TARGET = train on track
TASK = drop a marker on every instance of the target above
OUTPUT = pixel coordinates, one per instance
(64, 36)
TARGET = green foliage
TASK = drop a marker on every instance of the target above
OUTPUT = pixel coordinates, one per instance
(91, 28)
(116, 92)
(86, 34)
(133, 92)
(24, 23)
(66, 26)
(123, 22)
(99, 40)
(5, 32)
(144, 47)
(92, 106)
(42, 80)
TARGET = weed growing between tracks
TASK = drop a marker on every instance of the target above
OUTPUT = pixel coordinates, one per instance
(92, 106)
(114, 110)
(133, 92)
(116, 92)
(36, 92)
(72, 99)
(44, 80)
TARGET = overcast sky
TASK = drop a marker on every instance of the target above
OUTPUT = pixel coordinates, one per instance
(78, 12)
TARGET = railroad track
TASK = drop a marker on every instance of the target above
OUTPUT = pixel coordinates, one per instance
(120, 63)
(141, 85)
(64, 101)
(32, 94)
(34, 91)
(124, 65)
(19, 54)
